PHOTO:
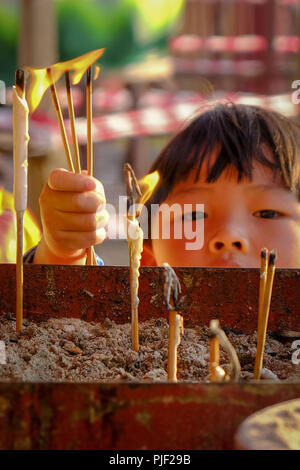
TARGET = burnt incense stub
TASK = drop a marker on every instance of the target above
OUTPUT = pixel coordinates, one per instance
(20, 81)
(132, 190)
(234, 369)
(172, 287)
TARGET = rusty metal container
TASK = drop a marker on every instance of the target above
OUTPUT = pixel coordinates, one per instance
(140, 415)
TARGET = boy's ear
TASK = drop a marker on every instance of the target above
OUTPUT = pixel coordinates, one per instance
(147, 256)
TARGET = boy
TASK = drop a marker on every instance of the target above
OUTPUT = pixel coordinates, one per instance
(241, 162)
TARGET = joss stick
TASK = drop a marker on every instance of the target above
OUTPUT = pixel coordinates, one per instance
(20, 151)
(19, 271)
(135, 247)
(262, 286)
(89, 121)
(263, 321)
(60, 121)
(171, 289)
(262, 280)
(214, 354)
(134, 300)
(175, 330)
(235, 366)
(90, 252)
(91, 259)
(72, 123)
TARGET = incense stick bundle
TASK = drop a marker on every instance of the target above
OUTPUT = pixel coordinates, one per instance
(263, 316)
(20, 151)
(91, 259)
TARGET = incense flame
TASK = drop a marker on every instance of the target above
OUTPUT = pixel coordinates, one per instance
(147, 185)
(96, 72)
(41, 80)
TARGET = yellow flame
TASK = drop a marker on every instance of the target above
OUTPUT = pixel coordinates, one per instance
(41, 81)
(96, 72)
(82, 63)
(147, 185)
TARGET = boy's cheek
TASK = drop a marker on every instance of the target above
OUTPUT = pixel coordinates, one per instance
(290, 246)
(285, 239)
(178, 243)
(174, 252)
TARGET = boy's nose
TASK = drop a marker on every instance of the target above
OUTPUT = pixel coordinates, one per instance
(226, 242)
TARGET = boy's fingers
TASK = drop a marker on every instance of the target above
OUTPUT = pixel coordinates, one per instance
(68, 221)
(90, 201)
(78, 240)
(63, 180)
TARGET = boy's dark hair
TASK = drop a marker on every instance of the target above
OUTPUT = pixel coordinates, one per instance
(240, 133)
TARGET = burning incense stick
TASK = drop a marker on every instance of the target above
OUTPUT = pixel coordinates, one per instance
(91, 259)
(20, 151)
(89, 117)
(60, 121)
(263, 316)
(135, 236)
(235, 367)
(72, 123)
(171, 289)
(135, 246)
(40, 79)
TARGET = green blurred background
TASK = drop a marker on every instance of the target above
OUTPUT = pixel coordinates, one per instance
(128, 29)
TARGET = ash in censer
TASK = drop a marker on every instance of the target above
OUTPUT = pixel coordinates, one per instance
(75, 350)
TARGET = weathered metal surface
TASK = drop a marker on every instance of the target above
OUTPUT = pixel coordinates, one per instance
(140, 416)
(92, 293)
(123, 416)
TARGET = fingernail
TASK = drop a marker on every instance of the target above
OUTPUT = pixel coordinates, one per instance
(89, 185)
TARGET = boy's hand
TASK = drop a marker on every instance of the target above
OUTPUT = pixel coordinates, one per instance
(73, 217)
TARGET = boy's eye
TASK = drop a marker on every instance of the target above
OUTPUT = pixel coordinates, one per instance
(268, 214)
(195, 215)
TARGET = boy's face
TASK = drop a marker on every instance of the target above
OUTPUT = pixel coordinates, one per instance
(239, 220)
